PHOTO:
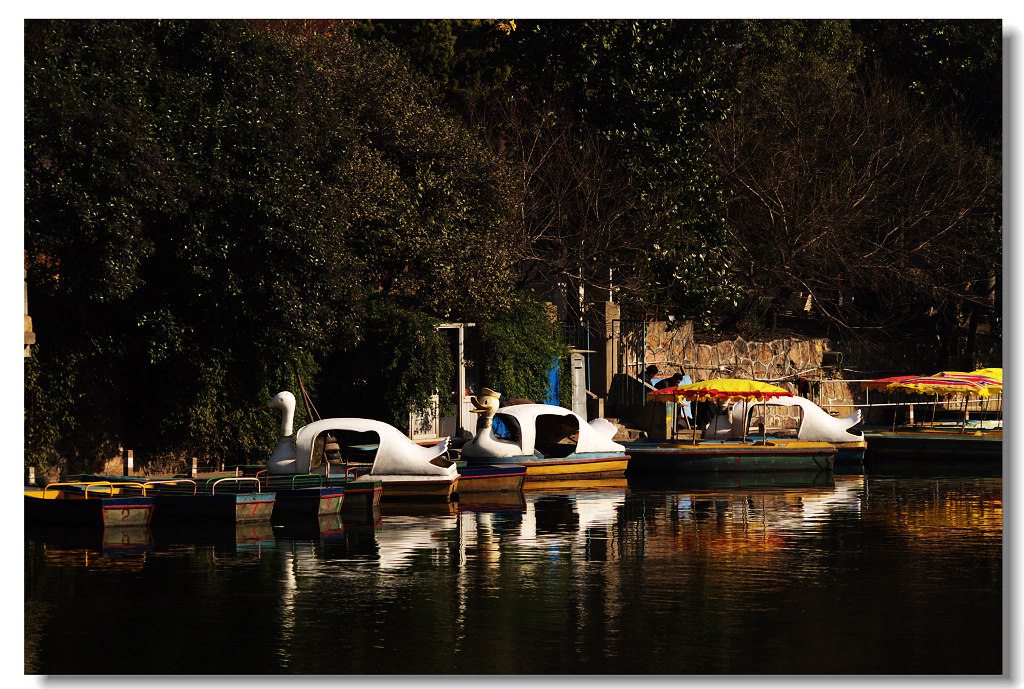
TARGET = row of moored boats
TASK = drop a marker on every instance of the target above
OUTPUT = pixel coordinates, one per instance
(339, 464)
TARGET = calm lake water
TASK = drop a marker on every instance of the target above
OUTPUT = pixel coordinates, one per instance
(843, 574)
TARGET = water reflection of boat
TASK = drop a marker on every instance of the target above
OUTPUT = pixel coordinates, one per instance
(751, 519)
(956, 509)
(337, 536)
(579, 517)
(492, 502)
(112, 540)
(927, 466)
(126, 539)
(848, 467)
(576, 484)
(88, 503)
(417, 509)
(229, 535)
(730, 480)
(401, 538)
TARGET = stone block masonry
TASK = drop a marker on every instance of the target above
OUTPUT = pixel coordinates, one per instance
(781, 362)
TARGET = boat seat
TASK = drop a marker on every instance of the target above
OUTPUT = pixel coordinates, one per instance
(332, 450)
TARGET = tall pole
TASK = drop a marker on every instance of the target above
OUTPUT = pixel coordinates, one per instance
(462, 380)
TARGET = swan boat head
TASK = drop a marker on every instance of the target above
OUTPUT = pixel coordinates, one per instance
(282, 460)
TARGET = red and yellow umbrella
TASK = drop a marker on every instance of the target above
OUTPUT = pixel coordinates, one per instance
(996, 373)
(884, 383)
(941, 385)
(990, 382)
(724, 389)
(978, 383)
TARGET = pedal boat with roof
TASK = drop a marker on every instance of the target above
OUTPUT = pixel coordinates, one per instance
(373, 452)
(551, 442)
(718, 449)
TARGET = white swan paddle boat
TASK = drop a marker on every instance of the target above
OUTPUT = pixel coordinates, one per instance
(814, 425)
(401, 467)
(540, 437)
(729, 443)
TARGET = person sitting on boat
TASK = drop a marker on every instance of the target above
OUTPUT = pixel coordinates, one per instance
(703, 413)
(649, 374)
(669, 382)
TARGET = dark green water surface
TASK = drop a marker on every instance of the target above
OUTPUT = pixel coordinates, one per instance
(840, 574)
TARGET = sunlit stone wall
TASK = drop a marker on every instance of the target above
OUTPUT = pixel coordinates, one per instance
(781, 362)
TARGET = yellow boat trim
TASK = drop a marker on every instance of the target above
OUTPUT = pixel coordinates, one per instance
(587, 483)
(549, 469)
(53, 491)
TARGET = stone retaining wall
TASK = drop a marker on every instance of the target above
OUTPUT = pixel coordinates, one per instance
(780, 362)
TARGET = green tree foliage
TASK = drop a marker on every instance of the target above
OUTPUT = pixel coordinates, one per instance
(841, 193)
(434, 201)
(465, 58)
(168, 224)
(211, 203)
(774, 54)
(520, 346)
(400, 360)
(954, 65)
(648, 87)
(603, 118)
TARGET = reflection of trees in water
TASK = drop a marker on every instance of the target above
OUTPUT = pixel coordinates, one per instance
(749, 519)
(938, 509)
